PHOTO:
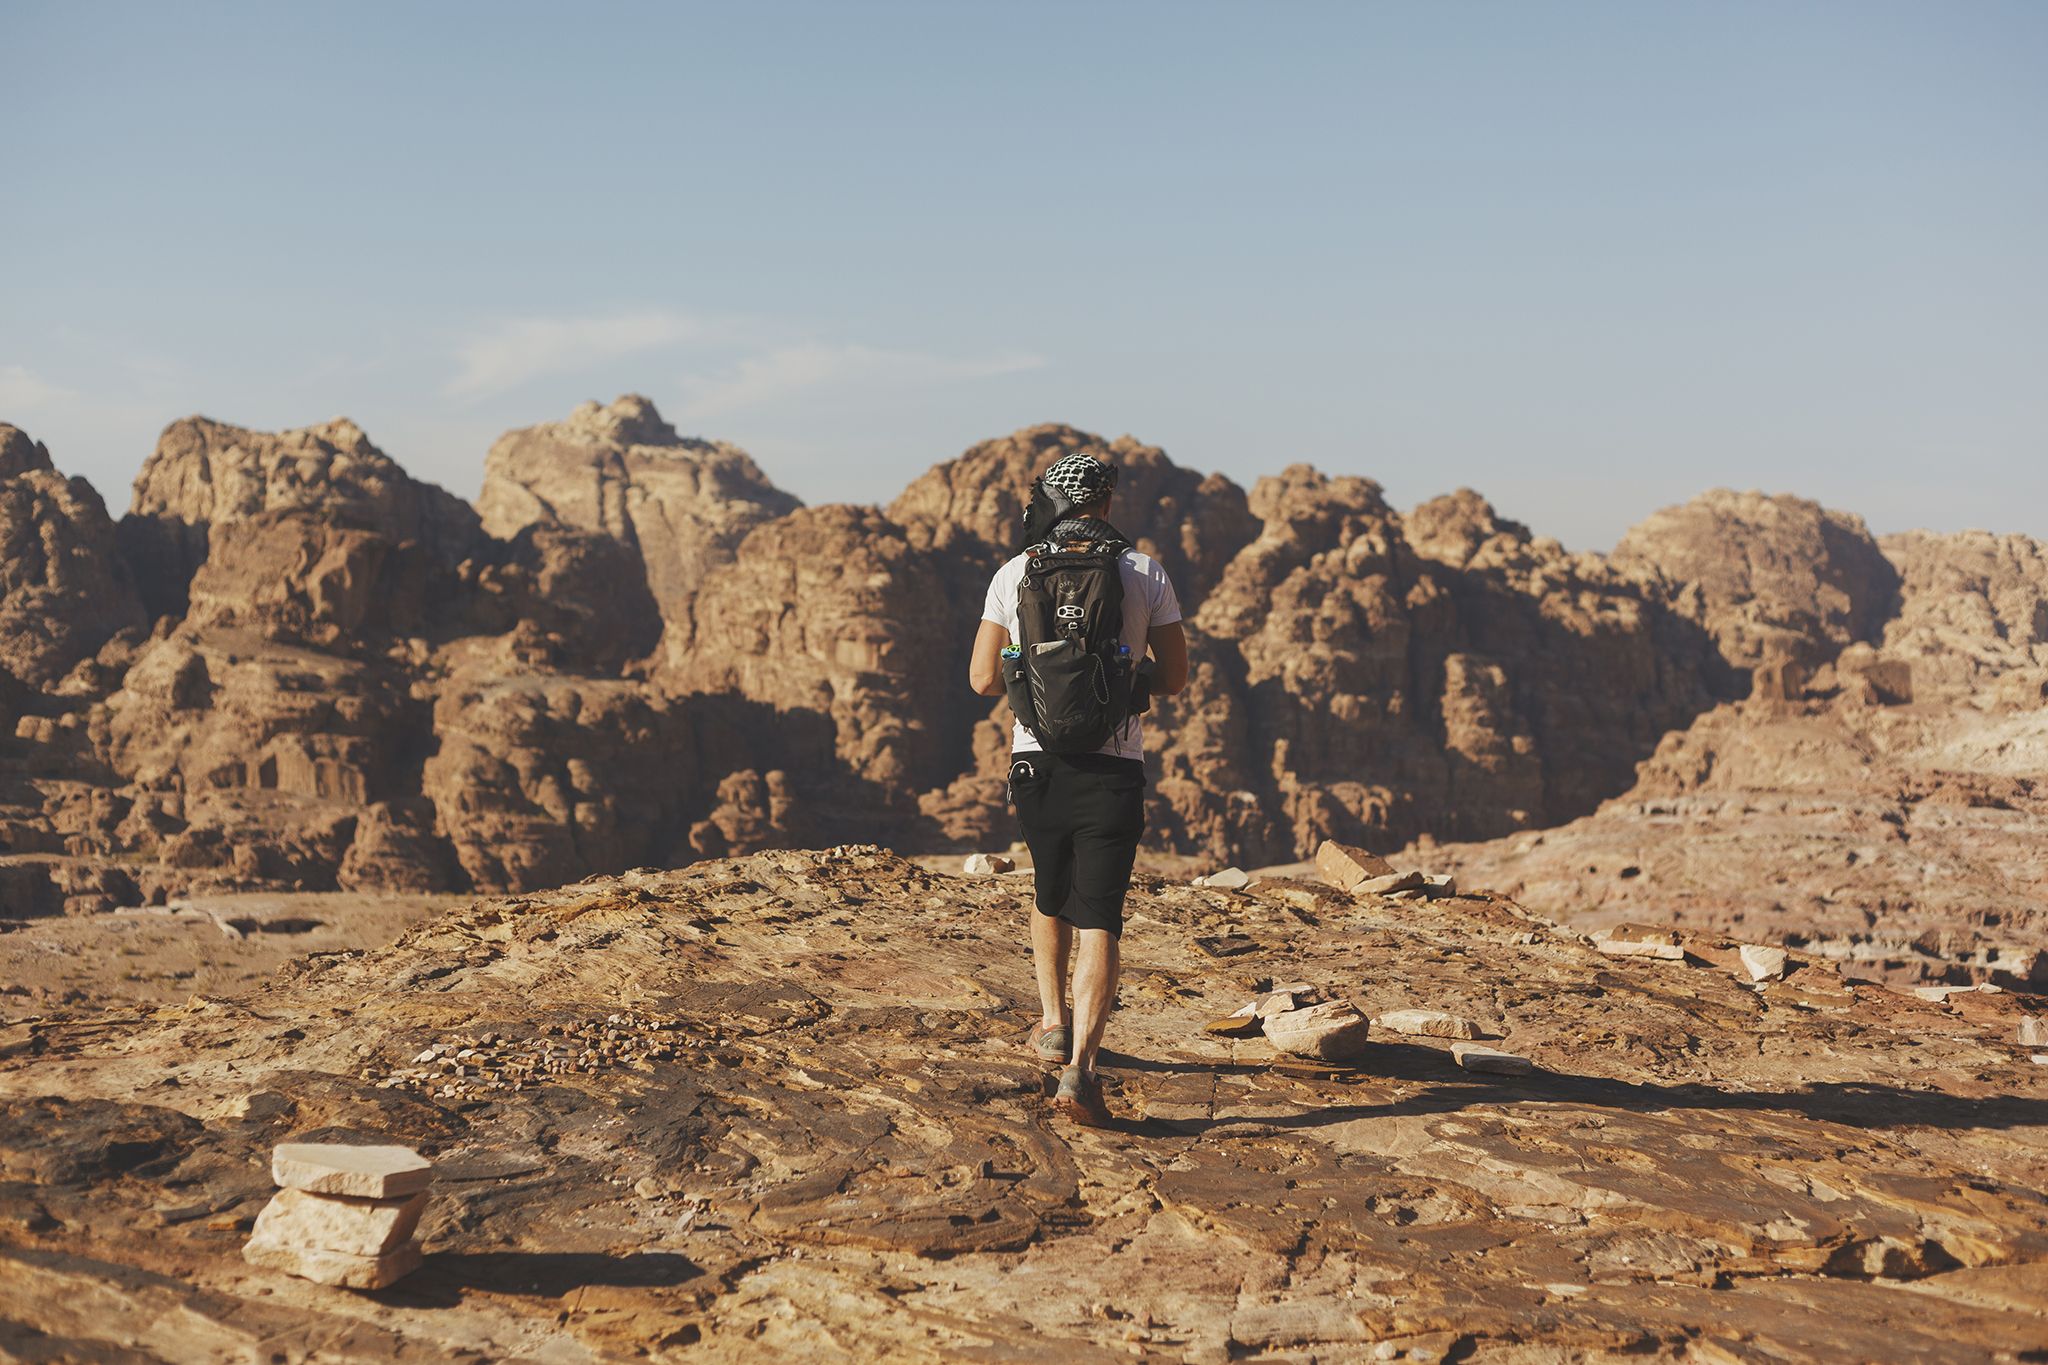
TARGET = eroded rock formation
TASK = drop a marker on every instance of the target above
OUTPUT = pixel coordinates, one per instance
(640, 652)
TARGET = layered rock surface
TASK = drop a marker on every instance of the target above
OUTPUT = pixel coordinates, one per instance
(781, 1105)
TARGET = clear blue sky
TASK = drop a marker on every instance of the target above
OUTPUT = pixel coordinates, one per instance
(1587, 258)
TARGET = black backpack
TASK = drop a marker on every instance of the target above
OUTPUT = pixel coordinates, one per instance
(1067, 674)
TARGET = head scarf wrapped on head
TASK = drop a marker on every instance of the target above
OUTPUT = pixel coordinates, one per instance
(1071, 481)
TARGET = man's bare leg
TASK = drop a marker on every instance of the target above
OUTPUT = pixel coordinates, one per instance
(1052, 945)
(1095, 973)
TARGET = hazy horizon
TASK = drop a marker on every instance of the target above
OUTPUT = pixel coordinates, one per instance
(1589, 259)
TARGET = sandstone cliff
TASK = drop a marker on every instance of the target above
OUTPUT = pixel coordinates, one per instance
(641, 651)
(682, 506)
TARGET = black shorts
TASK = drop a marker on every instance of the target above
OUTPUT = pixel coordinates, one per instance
(1082, 816)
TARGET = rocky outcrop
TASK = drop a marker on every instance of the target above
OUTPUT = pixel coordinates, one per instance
(1884, 807)
(971, 508)
(538, 779)
(1349, 686)
(681, 505)
(1973, 615)
(64, 592)
(206, 474)
(642, 653)
(831, 611)
(1773, 578)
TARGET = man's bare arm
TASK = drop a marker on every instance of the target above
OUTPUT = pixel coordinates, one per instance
(985, 668)
(1169, 646)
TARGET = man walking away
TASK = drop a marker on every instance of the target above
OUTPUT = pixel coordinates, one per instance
(1064, 633)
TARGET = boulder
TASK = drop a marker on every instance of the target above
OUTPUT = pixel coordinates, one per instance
(1332, 1032)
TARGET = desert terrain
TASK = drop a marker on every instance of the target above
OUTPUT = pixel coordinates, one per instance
(647, 787)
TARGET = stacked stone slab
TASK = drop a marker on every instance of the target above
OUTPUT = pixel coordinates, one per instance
(345, 1215)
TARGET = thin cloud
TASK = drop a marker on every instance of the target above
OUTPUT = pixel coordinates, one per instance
(527, 348)
(23, 391)
(787, 370)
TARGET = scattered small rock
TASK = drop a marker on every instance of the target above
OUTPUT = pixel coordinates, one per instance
(1473, 1057)
(1763, 964)
(987, 865)
(1427, 1024)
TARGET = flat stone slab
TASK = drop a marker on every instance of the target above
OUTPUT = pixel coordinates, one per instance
(336, 1267)
(1427, 1024)
(1229, 879)
(1390, 884)
(1334, 1032)
(362, 1172)
(332, 1222)
(1473, 1057)
(1658, 952)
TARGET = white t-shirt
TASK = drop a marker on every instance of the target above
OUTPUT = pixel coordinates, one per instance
(1149, 600)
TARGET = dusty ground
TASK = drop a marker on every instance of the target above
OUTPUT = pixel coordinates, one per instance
(811, 1133)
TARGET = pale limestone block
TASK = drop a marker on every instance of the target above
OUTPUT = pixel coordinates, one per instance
(332, 1222)
(336, 1267)
(361, 1172)
(2033, 1031)
(1389, 884)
